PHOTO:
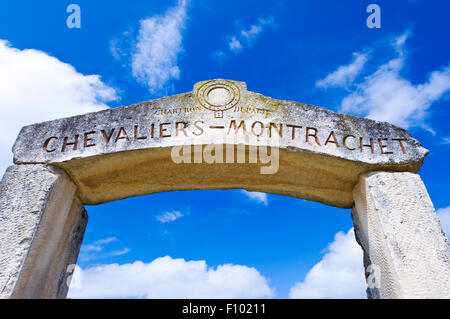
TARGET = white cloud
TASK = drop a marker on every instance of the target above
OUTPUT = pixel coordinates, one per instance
(340, 273)
(35, 87)
(257, 196)
(169, 217)
(444, 217)
(118, 252)
(247, 37)
(170, 278)
(244, 38)
(121, 46)
(345, 74)
(98, 245)
(94, 251)
(235, 45)
(385, 95)
(159, 43)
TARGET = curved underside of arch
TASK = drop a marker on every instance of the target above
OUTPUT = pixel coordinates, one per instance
(303, 175)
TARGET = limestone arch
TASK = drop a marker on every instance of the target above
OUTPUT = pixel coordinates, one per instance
(336, 159)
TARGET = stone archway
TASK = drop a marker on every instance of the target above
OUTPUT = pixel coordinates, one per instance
(219, 136)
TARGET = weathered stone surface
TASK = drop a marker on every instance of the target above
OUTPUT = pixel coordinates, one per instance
(126, 151)
(41, 229)
(399, 231)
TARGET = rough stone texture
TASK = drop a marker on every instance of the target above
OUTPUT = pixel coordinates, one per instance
(41, 229)
(113, 160)
(399, 231)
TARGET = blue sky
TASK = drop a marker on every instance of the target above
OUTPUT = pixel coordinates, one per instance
(316, 52)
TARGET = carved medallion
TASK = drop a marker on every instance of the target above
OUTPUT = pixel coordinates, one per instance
(218, 96)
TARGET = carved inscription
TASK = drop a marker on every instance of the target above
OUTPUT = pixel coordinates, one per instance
(106, 137)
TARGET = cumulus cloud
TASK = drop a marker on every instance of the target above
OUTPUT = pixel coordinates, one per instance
(35, 87)
(444, 217)
(159, 43)
(244, 38)
(257, 196)
(340, 273)
(386, 95)
(169, 278)
(345, 74)
(168, 217)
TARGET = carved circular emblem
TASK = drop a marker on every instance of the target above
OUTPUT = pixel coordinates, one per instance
(218, 95)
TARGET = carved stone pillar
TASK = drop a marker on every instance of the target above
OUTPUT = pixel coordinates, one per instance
(42, 225)
(406, 253)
